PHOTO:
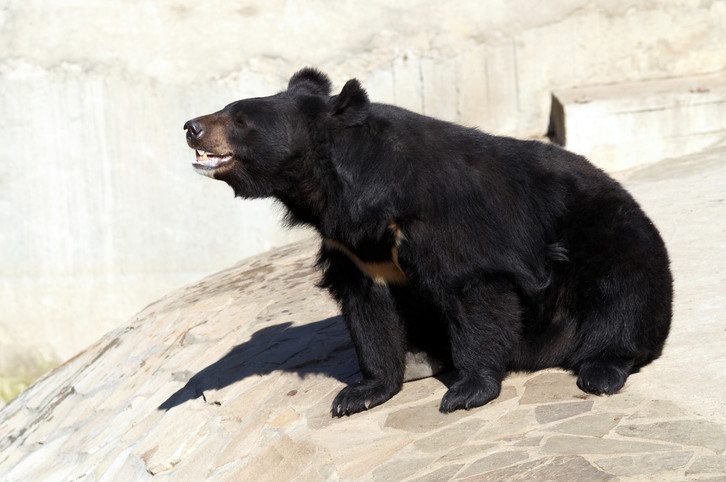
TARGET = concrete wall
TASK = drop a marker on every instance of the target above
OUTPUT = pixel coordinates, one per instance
(100, 211)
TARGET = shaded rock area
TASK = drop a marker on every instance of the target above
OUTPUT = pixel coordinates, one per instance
(232, 379)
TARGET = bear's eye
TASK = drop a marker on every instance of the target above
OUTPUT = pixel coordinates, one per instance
(240, 122)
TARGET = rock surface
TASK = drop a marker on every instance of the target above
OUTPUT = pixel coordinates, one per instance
(232, 379)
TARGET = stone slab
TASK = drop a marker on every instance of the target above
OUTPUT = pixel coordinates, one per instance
(559, 411)
(650, 464)
(703, 433)
(574, 445)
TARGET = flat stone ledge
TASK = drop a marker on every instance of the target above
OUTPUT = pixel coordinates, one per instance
(628, 125)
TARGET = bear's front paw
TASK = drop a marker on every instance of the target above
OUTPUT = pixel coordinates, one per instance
(470, 392)
(362, 395)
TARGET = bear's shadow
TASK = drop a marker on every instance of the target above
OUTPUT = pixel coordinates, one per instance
(322, 347)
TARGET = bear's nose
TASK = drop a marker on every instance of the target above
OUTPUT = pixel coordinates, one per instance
(194, 129)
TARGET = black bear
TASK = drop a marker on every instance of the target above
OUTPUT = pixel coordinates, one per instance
(489, 253)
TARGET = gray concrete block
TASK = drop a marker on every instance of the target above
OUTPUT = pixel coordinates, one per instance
(627, 125)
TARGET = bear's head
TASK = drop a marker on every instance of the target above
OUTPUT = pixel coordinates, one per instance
(260, 146)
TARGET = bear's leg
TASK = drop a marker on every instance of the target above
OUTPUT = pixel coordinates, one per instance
(380, 344)
(484, 327)
(603, 376)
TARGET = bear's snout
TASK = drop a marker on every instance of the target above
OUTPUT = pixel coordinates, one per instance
(194, 129)
(206, 136)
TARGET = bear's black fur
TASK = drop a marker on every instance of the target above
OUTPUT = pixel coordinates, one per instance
(489, 253)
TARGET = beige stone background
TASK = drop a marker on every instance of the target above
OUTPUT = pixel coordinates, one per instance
(100, 213)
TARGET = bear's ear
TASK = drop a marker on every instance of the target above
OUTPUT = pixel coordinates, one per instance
(351, 105)
(310, 80)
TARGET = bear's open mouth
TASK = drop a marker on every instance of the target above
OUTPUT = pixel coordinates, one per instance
(207, 161)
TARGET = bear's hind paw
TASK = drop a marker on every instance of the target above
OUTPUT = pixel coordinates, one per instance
(603, 377)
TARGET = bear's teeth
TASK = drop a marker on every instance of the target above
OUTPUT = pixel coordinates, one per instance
(204, 154)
